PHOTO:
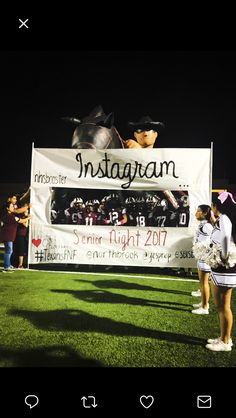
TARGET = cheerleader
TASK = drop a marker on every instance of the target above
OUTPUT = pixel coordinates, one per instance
(202, 239)
(222, 258)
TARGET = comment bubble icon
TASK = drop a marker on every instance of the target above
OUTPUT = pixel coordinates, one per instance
(31, 401)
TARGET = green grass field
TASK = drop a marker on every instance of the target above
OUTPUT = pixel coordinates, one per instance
(104, 320)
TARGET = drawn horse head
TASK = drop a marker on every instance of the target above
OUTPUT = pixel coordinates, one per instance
(95, 131)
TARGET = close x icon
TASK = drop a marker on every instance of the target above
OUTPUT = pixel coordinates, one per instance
(23, 23)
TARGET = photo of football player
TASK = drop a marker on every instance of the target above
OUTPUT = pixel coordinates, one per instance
(76, 209)
(139, 215)
(183, 211)
(164, 215)
(130, 205)
(115, 211)
(89, 216)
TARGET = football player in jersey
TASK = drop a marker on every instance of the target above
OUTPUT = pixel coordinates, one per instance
(136, 211)
(152, 202)
(141, 213)
(89, 217)
(183, 211)
(54, 212)
(164, 215)
(57, 213)
(130, 205)
(102, 209)
(75, 210)
(96, 205)
(115, 212)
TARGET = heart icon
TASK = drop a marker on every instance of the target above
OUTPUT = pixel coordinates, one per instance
(36, 242)
(146, 401)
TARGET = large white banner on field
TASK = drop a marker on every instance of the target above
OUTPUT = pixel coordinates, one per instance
(117, 207)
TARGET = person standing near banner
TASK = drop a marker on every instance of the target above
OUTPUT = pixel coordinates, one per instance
(17, 202)
(222, 259)
(20, 207)
(21, 239)
(145, 133)
(203, 214)
(8, 232)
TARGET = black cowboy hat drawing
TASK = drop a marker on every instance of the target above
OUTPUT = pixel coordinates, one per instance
(146, 123)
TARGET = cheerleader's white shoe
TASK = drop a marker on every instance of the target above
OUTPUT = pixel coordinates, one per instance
(201, 311)
(216, 340)
(199, 305)
(219, 346)
(196, 293)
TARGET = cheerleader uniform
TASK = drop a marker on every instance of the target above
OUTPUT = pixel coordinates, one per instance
(223, 275)
(203, 235)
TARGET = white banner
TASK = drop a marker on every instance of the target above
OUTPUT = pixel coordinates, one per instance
(117, 207)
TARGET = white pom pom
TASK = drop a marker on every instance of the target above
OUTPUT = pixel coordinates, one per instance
(211, 255)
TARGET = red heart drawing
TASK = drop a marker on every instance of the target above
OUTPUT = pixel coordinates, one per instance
(36, 242)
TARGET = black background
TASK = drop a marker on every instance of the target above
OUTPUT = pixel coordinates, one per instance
(178, 69)
(117, 391)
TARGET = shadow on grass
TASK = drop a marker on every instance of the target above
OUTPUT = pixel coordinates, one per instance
(74, 320)
(102, 296)
(119, 284)
(56, 356)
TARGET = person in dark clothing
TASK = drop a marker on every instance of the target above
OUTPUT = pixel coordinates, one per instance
(9, 222)
(20, 242)
(18, 202)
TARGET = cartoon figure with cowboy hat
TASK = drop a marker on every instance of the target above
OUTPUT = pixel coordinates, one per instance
(145, 132)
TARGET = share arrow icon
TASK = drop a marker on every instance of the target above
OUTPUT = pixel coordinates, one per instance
(89, 401)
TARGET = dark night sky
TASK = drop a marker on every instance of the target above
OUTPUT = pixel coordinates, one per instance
(192, 92)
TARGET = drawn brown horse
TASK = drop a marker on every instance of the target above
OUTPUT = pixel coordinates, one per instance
(96, 131)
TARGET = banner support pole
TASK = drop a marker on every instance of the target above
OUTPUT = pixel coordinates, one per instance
(211, 171)
(31, 181)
